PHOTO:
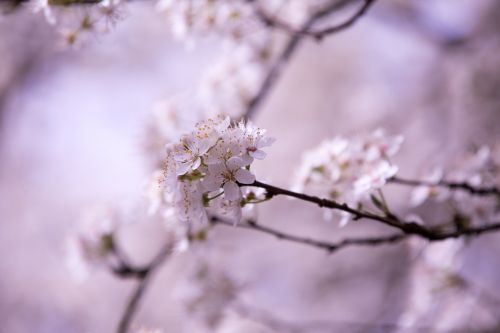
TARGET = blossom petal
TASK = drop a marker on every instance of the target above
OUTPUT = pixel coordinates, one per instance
(183, 168)
(344, 219)
(244, 176)
(235, 162)
(196, 163)
(211, 184)
(204, 146)
(265, 142)
(258, 154)
(247, 160)
(231, 191)
(182, 155)
(216, 169)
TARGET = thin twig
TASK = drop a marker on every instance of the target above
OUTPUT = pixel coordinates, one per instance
(410, 228)
(331, 247)
(281, 61)
(475, 190)
(318, 34)
(391, 220)
(144, 278)
(327, 246)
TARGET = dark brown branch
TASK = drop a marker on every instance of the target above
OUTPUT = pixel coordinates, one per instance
(475, 190)
(409, 228)
(318, 34)
(281, 61)
(327, 246)
(390, 220)
(132, 304)
(144, 276)
(348, 23)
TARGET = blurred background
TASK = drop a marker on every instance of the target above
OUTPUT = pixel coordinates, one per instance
(73, 130)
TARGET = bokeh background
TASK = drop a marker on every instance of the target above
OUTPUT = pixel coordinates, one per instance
(72, 133)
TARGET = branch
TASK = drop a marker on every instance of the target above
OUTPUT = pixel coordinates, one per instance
(144, 276)
(390, 220)
(409, 228)
(329, 247)
(287, 52)
(306, 31)
(474, 190)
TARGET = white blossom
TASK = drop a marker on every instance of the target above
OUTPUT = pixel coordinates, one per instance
(189, 155)
(441, 297)
(349, 171)
(254, 140)
(45, 7)
(205, 168)
(227, 175)
(421, 193)
(375, 178)
(477, 169)
(189, 202)
(76, 23)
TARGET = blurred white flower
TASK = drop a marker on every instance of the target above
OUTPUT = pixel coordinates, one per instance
(91, 246)
(43, 6)
(111, 11)
(205, 294)
(423, 192)
(477, 169)
(375, 178)
(348, 171)
(189, 202)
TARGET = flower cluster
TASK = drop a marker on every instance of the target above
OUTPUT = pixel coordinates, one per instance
(479, 169)
(441, 294)
(349, 170)
(79, 22)
(170, 118)
(205, 168)
(234, 80)
(233, 19)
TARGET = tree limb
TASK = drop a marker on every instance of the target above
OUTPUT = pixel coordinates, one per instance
(144, 276)
(474, 190)
(285, 56)
(407, 227)
(306, 31)
(327, 246)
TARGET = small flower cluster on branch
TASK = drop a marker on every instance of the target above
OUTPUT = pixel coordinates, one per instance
(85, 19)
(349, 171)
(204, 169)
(470, 188)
